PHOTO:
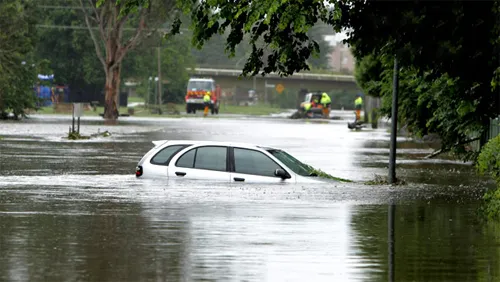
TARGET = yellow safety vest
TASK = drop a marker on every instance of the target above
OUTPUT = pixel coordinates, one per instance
(206, 98)
(325, 99)
(358, 101)
(307, 106)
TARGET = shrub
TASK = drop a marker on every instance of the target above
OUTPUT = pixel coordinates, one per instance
(488, 161)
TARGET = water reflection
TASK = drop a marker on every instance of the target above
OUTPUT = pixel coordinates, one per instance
(432, 243)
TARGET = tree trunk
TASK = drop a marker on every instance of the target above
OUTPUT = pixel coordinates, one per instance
(112, 91)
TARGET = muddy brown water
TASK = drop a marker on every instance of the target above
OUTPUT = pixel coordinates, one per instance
(73, 211)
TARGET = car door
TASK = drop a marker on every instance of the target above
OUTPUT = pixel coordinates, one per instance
(158, 165)
(201, 163)
(253, 166)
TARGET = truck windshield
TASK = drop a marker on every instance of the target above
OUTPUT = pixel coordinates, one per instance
(194, 85)
(295, 165)
(307, 98)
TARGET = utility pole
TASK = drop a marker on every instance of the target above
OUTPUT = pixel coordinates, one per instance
(159, 77)
(394, 124)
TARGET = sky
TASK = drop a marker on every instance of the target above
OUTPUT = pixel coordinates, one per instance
(334, 39)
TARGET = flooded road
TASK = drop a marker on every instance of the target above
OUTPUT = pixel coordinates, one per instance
(73, 210)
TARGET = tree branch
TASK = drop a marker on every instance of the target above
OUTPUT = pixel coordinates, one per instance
(133, 41)
(98, 19)
(444, 150)
(96, 43)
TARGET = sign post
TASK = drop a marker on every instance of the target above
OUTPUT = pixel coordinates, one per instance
(77, 112)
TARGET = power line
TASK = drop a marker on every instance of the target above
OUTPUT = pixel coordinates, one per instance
(85, 28)
(62, 7)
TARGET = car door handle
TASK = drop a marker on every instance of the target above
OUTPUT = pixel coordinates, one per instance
(180, 173)
(239, 179)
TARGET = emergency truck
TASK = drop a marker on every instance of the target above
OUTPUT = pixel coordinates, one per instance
(196, 89)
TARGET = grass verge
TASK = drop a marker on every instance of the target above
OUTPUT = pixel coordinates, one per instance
(172, 110)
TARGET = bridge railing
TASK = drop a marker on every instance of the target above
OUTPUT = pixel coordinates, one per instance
(310, 76)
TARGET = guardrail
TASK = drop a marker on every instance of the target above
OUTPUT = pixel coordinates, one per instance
(310, 76)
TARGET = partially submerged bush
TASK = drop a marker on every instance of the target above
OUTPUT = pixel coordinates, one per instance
(76, 136)
(491, 206)
(384, 180)
(323, 174)
(488, 163)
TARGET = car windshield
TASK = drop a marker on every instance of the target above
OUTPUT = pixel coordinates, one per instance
(295, 165)
(194, 85)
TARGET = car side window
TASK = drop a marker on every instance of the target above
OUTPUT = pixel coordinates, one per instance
(164, 156)
(186, 160)
(254, 162)
(211, 158)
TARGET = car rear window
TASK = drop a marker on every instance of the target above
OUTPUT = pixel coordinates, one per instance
(164, 156)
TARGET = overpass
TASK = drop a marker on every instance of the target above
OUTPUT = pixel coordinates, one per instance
(230, 80)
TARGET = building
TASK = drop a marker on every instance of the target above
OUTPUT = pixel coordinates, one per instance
(341, 58)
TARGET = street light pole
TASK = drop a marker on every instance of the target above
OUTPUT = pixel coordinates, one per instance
(394, 124)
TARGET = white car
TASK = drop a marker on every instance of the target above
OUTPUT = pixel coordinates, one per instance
(222, 161)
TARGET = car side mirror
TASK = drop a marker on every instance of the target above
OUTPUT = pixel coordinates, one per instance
(281, 173)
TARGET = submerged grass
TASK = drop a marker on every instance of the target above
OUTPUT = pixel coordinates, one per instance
(78, 136)
(323, 174)
(383, 180)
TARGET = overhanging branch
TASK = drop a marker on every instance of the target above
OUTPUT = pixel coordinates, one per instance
(133, 41)
(94, 39)
(444, 150)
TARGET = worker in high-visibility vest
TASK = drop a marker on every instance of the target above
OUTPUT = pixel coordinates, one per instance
(358, 105)
(325, 102)
(206, 101)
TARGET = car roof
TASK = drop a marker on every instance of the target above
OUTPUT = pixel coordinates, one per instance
(220, 143)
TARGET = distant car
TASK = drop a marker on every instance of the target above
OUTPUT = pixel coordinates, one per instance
(222, 161)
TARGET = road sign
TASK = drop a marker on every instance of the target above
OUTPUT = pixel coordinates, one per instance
(78, 109)
(280, 88)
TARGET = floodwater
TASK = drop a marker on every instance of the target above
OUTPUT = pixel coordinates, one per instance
(73, 210)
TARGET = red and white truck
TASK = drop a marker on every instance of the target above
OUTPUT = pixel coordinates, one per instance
(196, 89)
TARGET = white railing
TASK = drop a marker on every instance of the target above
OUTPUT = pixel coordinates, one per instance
(313, 76)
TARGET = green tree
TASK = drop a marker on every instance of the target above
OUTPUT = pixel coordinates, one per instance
(447, 65)
(17, 71)
(175, 57)
(317, 33)
(67, 47)
(107, 22)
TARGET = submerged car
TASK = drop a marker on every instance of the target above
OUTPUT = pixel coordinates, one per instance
(222, 161)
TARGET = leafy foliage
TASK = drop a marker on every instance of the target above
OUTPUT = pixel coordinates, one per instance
(491, 205)
(278, 27)
(175, 58)
(17, 70)
(70, 51)
(488, 161)
(447, 65)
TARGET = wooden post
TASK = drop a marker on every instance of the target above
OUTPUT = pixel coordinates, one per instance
(73, 120)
